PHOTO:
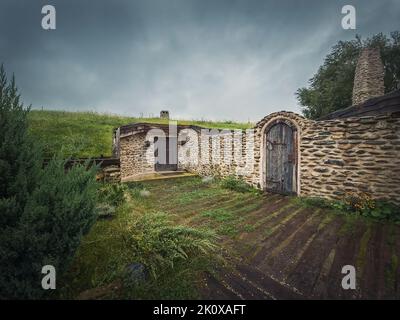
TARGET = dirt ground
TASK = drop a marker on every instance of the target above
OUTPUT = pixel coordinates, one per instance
(278, 249)
(299, 253)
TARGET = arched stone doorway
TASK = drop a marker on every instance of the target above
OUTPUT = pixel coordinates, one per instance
(280, 154)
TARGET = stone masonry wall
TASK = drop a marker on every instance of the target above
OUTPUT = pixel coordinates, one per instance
(351, 155)
(188, 149)
(219, 153)
(369, 76)
(133, 151)
(334, 157)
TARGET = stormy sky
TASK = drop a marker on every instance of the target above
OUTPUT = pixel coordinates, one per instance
(210, 59)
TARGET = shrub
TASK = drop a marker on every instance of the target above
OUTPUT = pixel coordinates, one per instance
(357, 203)
(236, 184)
(382, 210)
(112, 194)
(362, 203)
(44, 211)
(105, 210)
(157, 243)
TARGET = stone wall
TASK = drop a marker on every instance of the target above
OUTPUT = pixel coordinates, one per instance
(188, 150)
(351, 155)
(219, 153)
(111, 174)
(334, 157)
(133, 156)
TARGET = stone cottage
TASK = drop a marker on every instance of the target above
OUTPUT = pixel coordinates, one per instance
(351, 150)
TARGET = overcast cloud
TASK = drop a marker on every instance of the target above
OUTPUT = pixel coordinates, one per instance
(211, 59)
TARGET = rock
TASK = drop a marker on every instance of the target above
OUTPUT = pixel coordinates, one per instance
(381, 125)
(335, 162)
(375, 142)
(390, 137)
(136, 273)
(338, 193)
(105, 210)
(144, 193)
(207, 179)
(321, 169)
(354, 137)
(371, 136)
(324, 142)
(324, 133)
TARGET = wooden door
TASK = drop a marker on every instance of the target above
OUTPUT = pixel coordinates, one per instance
(169, 161)
(280, 159)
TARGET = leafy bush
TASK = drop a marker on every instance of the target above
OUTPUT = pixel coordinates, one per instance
(362, 203)
(236, 184)
(357, 203)
(44, 211)
(112, 194)
(157, 243)
(105, 210)
(383, 210)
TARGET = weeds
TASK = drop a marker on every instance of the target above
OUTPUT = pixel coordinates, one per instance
(237, 184)
(112, 194)
(356, 204)
(153, 240)
(104, 210)
(137, 189)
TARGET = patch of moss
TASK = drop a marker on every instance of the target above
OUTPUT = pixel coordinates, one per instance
(362, 252)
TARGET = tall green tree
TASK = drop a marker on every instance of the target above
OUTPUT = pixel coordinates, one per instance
(44, 210)
(331, 88)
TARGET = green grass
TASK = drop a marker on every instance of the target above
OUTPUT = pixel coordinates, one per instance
(192, 208)
(362, 252)
(89, 134)
(114, 243)
(378, 210)
(175, 257)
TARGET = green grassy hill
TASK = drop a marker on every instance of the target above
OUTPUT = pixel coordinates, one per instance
(89, 134)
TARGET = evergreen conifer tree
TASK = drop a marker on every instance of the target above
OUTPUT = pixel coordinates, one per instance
(44, 210)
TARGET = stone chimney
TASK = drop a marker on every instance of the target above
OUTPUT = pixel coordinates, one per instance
(164, 114)
(368, 79)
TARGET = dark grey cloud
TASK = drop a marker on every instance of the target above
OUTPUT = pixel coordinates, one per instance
(214, 59)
